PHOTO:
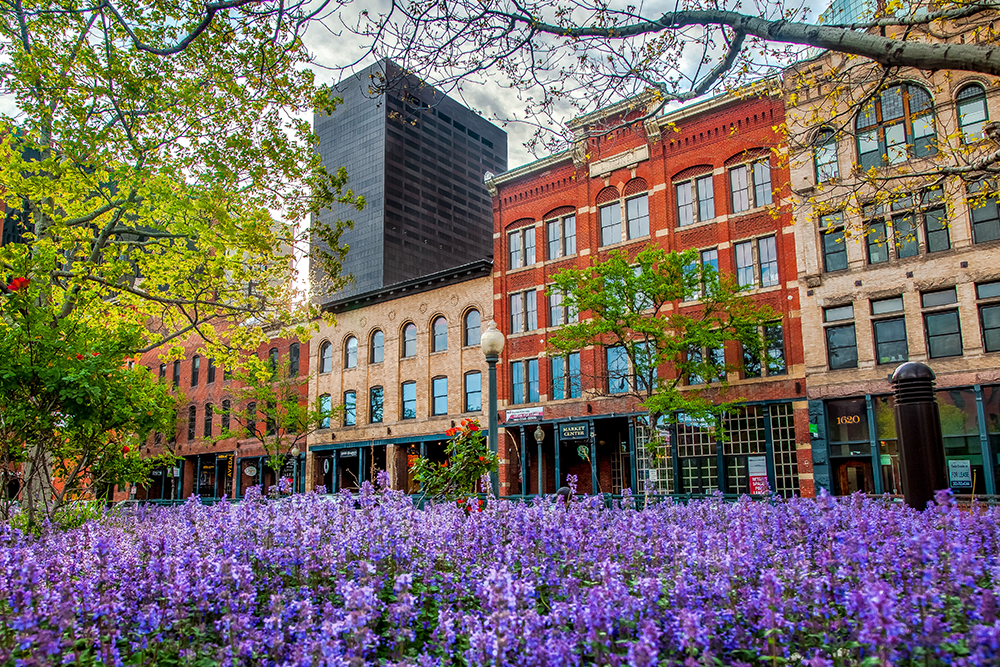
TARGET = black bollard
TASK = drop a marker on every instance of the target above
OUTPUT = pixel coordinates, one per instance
(918, 427)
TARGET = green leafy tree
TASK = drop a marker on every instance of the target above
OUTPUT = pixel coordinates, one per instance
(467, 459)
(161, 165)
(73, 414)
(267, 408)
(667, 314)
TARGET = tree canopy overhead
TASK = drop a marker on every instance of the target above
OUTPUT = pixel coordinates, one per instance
(576, 56)
(154, 147)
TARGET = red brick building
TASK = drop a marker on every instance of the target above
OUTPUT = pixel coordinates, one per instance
(227, 467)
(712, 176)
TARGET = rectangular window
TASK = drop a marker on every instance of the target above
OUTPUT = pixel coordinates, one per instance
(831, 229)
(554, 236)
(524, 381)
(936, 229)
(521, 247)
(744, 264)
(944, 336)
(878, 249)
(890, 333)
(566, 381)
(739, 185)
(762, 183)
(905, 233)
(209, 417)
(350, 408)
(523, 311)
(989, 317)
(637, 214)
(473, 392)
(619, 376)
(177, 374)
(516, 313)
(774, 349)
(767, 253)
(611, 224)
(773, 354)
(514, 250)
(706, 198)
(195, 370)
(517, 382)
(556, 310)
(531, 310)
(939, 298)
(750, 185)
(841, 341)
(645, 367)
(325, 406)
(211, 369)
(569, 235)
(375, 405)
(409, 400)
(685, 204)
(439, 390)
(985, 213)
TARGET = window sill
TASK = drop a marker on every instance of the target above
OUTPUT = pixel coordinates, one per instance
(522, 269)
(620, 244)
(563, 258)
(752, 211)
(702, 223)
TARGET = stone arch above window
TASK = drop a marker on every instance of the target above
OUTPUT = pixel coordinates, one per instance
(559, 212)
(691, 172)
(636, 186)
(606, 195)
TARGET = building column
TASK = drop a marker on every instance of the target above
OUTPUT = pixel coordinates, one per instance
(984, 442)
(876, 452)
(632, 463)
(593, 458)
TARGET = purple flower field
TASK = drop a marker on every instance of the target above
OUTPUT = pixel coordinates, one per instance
(372, 580)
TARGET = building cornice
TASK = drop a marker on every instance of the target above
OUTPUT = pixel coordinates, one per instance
(458, 274)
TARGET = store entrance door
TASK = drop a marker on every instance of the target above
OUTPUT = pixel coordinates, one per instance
(853, 475)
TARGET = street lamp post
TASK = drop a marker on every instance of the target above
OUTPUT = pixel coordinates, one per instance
(539, 437)
(491, 343)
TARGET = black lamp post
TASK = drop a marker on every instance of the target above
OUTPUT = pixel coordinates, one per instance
(491, 343)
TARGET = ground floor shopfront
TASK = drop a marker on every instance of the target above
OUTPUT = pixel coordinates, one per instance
(347, 465)
(854, 445)
(754, 449)
(218, 475)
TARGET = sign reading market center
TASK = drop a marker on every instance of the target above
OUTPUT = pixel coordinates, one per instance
(574, 431)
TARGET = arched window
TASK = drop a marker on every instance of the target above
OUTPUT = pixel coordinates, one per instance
(209, 416)
(226, 408)
(409, 348)
(272, 359)
(293, 360)
(351, 352)
(377, 348)
(825, 155)
(163, 371)
(972, 112)
(325, 357)
(324, 408)
(896, 125)
(472, 324)
(177, 373)
(252, 420)
(192, 418)
(195, 369)
(440, 340)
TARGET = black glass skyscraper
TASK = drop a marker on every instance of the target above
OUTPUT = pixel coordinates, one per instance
(419, 158)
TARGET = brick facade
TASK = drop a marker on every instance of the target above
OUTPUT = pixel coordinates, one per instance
(344, 455)
(708, 139)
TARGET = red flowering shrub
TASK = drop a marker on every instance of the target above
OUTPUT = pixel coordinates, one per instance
(468, 459)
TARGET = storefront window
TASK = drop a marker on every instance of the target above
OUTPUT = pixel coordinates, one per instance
(963, 451)
(206, 477)
(696, 449)
(847, 424)
(888, 445)
(991, 408)
(745, 450)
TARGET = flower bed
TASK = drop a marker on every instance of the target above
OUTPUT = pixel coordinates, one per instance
(372, 580)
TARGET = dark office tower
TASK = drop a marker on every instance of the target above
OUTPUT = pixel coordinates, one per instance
(419, 158)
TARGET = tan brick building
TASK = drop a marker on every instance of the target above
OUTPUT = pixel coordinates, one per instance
(404, 362)
(894, 266)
